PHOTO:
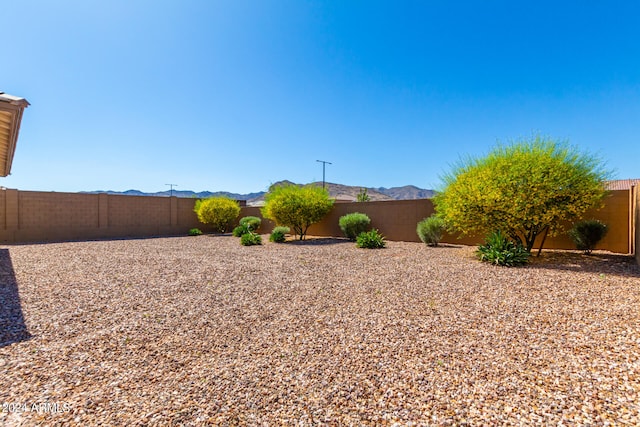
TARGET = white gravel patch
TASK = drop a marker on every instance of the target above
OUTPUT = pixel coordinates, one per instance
(203, 331)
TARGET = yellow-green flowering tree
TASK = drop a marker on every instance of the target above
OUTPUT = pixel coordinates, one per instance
(523, 189)
(296, 207)
(220, 212)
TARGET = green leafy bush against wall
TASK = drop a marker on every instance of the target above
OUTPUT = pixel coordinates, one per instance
(247, 224)
(252, 223)
(524, 189)
(296, 207)
(499, 249)
(370, 240)
(279, 234)
(587, 234)
(195, 232)
(430, 230)
(353, 224)
(250, 239)
(219, 212)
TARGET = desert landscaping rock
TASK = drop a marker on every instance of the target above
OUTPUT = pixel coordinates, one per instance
(203, 331)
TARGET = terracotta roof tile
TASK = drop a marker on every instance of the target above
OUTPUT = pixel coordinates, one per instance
(622, 184)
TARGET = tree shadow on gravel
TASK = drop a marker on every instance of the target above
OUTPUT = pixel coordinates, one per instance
(12, 326)
(115, 239)
(443, 246)
(596, 262)
(319, 241)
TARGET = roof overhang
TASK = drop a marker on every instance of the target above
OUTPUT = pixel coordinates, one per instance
(11, 108)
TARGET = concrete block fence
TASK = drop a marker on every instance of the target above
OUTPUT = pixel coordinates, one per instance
(30, 216)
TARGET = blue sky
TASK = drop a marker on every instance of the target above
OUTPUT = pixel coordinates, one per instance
(235, 95)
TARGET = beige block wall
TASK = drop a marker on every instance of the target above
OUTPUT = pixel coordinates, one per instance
(616, 214)
(137, 211)
(3, 214)
(397, 220)
(57, 210)
(27, 216)
(637, 224)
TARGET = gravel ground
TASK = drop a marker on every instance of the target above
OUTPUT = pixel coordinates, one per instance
(203, 331)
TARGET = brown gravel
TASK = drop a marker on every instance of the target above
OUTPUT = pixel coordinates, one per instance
(203, 331)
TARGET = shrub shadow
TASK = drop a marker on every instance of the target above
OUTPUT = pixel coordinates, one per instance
(443, 246)
(319, 241)
(596, 262)
(217, 235)
(110, 239)
(12, 326)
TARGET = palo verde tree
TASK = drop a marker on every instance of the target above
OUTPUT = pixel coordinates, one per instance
(296, 207)
(220, 212)
(525, 189)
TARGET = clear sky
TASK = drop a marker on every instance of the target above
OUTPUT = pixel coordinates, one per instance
(235, 95)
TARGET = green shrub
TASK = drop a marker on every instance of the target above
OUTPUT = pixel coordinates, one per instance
(363, 196)
(370, 240)
(250, 239)
(240, 231)
(251, 222)
(353, 224)
(500, 250)
(296, 207)
(278, 235)
(195, 232)
(220, 212)
(587, 234)
(430, 230)
(526, 189)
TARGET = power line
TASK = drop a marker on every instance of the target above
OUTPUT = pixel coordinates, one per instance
(171, 187)
(324, 163)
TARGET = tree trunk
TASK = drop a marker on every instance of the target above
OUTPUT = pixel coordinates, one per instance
(546, 230)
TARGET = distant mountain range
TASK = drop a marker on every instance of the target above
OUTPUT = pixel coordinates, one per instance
(338, 191)
(181, 193)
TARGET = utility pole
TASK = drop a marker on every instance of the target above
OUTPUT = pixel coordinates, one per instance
(171, 187)
(324, 163)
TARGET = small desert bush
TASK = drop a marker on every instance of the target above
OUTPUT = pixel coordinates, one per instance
(430, 230)
(370, 240)
(353, 224)
(500, 250)
(278, 235)
(587, 234)
(195, 232)
(248, 224)
(251, 222)
(250, 239)
(240, 231)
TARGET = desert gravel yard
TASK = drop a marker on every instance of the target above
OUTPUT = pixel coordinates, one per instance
(203, 331)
